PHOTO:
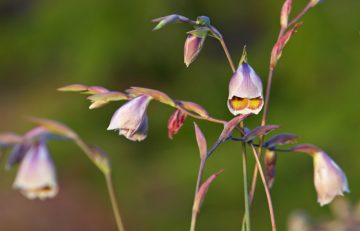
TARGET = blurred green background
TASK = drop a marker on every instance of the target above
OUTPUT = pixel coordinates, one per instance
(48, 44)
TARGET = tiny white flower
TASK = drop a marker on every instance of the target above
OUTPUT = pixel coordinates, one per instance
(131, 119)
(245, 91)
(36, 177)
(329, 179)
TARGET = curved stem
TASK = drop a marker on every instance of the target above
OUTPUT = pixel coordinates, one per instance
(114, 203)
(267, 191)
(227, 53)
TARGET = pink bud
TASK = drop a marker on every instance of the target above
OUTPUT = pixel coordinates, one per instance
(175, 122)
(285, 12)
(329, 179)
(192, 48)
(280, 44)
(245, 91)
(131, 119)
(201, 141)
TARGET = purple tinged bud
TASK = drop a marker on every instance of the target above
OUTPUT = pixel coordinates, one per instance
(131, 119)
(270, 164)
(192, 47)
(329, 179)
(36, 176)
(245, 91)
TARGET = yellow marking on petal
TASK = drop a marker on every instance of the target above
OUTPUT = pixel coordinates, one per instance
(255, 103)
(238, 103)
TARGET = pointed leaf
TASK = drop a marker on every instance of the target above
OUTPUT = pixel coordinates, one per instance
(230, 126)
(194, 107)
(306, 148)
(155, 94)
(281, 139)
(9, 139)
(259, 131)
(280, 44)
(74, 88)
(200, 195)
(96, 90)
(166, 20)
(55, 127)
(101, 99)
(201, 141)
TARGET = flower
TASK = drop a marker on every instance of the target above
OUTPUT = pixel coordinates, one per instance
(36, 177)
(192, 47)
(131, 119)
(329, 179)
(245, 91)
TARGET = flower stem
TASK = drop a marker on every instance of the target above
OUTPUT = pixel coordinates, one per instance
(246, 192)
(267, 98)
(114, 203)
(267, 191)
(227, 53)
(198, 183)
(109, 184)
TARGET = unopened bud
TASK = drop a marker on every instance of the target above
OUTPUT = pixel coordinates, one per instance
(176, 121)
(270, 163)
(285, 12)
(193, 44)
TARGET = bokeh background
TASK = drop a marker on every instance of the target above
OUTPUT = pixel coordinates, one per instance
(48, 44)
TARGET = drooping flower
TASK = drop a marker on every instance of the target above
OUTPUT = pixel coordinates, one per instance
(193, 45)
(131, 119)
(245, 91)
(329, 179)
(36, 177)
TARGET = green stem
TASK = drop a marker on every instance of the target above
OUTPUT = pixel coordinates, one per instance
(114, 203)
(227, 53)
(246, 192)
(198, 183)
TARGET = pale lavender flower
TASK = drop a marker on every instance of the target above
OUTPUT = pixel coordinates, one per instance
(131, 119)
(36, 177)
(245, 91)
(329, 179)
